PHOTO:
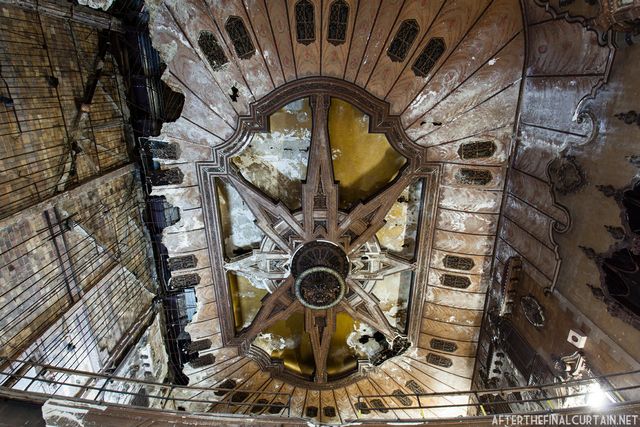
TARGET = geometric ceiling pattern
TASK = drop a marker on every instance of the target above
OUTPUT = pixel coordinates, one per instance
(267, 133)
(469, 95)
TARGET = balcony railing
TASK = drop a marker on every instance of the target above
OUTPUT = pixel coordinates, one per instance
(39, 382)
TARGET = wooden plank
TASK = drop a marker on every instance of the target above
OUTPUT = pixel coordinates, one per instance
(334, 57)
(503, 15)
(386, 71)
(380, 33)
(446, 330)
(548, 54)
(279, 20)
(307, 57)
(495, 112)
(188, 65)
(454, 315)
(453, 22)
(362, 27)
(449, 151)
(464, 348)
(298, 399)
(463, 244)
(456, 382)
(387, 383)
(478, 284)
(454, 298)
(466, 222)
(253, 70)
(501, 71)
(432, 384)
(468, 199)
(265, 42)
(531, 220)
(328, 401)
(345, 404)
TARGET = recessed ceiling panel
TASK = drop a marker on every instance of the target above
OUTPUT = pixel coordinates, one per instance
(238, 228)
(246, 300)
(287, 341)
(399, 233)
(276, 161)
(363, 162)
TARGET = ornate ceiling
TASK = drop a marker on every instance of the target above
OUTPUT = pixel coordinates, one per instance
(294, 237)
(273, 162)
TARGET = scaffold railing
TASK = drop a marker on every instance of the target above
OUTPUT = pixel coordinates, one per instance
(40, 382)
(609, 390)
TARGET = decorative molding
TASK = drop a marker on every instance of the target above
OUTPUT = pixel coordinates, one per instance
(277, 370)
(510, 280)
(184, 281)
(442, 345)
(567, 176)
(287, 231)
(437, 360)
(614, 308)
(630, 117)
(618, 17)
(182, 262)
(603, 33)
(533, 311)
(570, 367)
(586, 115)
(381, 121)
(171, 176)
(620, 264)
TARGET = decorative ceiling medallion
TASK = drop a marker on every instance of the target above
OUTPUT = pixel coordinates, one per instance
(533, 311)
(320, 254)
(319, 288)
(320, 262)
(566, 175)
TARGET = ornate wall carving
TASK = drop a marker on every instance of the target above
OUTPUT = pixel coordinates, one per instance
(455, 281)
(305, 22)
(182, 262)
(212, 50)
(620, 265)
(282, 226)
(403, 40)
(338, 22)
(473, 176)
(184, 281)
(533, 311)
(240, 37)
(567, 177)
(437, 360)
(442, 345)
(429, 57)
(172, 176)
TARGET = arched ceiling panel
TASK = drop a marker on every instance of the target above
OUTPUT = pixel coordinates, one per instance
(452, 24)
(362, 28)
(385, 20)
(386, 71)
(253, 70)
(334, 57)
(259, 21)
(472, 91)
(307, 55)
(497, 26)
